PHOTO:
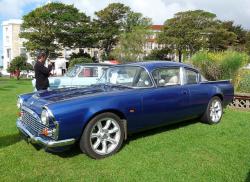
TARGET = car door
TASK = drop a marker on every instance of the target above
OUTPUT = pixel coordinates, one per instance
(168, 102)
(198, 93)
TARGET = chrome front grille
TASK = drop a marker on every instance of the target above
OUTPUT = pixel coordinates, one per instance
(32, 122)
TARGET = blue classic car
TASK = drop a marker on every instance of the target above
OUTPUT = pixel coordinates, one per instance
(80, 75)
(128, 98)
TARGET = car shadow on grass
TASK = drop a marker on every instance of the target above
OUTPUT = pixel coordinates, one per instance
(248, 177)
(75, 150)
(69, 152)
(8, 140)
(159, 130)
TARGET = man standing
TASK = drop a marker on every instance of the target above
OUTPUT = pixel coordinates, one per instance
(41, 72)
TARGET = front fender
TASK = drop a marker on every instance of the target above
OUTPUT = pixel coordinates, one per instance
(73, 115)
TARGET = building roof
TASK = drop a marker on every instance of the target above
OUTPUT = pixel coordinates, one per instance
(12, 21)
(157, 27)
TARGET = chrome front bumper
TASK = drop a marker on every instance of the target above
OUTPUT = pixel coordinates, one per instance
(40, 140)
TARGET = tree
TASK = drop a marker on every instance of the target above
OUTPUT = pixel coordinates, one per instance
(238, 30)
(248, 42)
(135, 19)
(80, 54)
(17, 64)
(54, 26)
(159, 54)
(220, 39)
(130, 45)
(190, 31)
(109, 25)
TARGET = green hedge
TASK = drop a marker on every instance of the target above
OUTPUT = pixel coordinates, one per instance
(220, 65)
(74, 61)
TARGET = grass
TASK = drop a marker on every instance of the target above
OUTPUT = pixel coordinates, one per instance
(190, 151)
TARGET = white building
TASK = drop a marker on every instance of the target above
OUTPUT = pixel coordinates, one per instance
(151, 43)
(12, 44)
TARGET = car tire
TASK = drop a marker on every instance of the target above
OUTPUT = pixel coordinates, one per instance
(214, 111)
(103, 136)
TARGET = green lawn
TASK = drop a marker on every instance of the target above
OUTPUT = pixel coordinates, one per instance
(190, 151)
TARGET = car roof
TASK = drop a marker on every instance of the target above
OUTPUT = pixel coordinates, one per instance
(151, 65)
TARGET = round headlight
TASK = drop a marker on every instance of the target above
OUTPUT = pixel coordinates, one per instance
(19, 103)
(45, 117)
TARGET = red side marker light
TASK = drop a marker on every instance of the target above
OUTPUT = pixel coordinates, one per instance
(132, 110)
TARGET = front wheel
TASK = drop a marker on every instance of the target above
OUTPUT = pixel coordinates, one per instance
(213, 112)
(103, 136)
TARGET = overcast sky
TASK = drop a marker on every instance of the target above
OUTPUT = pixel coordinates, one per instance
(158, 10)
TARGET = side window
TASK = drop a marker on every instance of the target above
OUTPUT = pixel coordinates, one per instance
(203, 79)
(89, 72)
(167, 76)
(144, 79)
(191, 77)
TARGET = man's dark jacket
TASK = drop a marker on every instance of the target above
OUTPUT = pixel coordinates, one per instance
(41, 74)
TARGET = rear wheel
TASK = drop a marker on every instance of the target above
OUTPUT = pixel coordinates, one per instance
(213, 112)
(103, 136)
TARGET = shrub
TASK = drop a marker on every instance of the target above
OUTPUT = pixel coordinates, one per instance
(242, 82)
(74, 61)
(220, 65)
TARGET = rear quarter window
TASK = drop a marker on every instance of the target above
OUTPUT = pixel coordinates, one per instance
(191, 76)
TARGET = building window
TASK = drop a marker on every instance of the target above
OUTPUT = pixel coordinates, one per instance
(7, 39)
(22, 51)
(150, 45)
(9, 53)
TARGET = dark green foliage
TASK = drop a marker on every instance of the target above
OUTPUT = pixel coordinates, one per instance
(135, 19)
(159, 54)
(238, 30)
(80, 54)
(219, 39)
(114, 22)
(79, 61)
(54, 26)
(191, 31)
(109, 24)
(19, 63)
(29, 67)
(186, 30)
(248, 42)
